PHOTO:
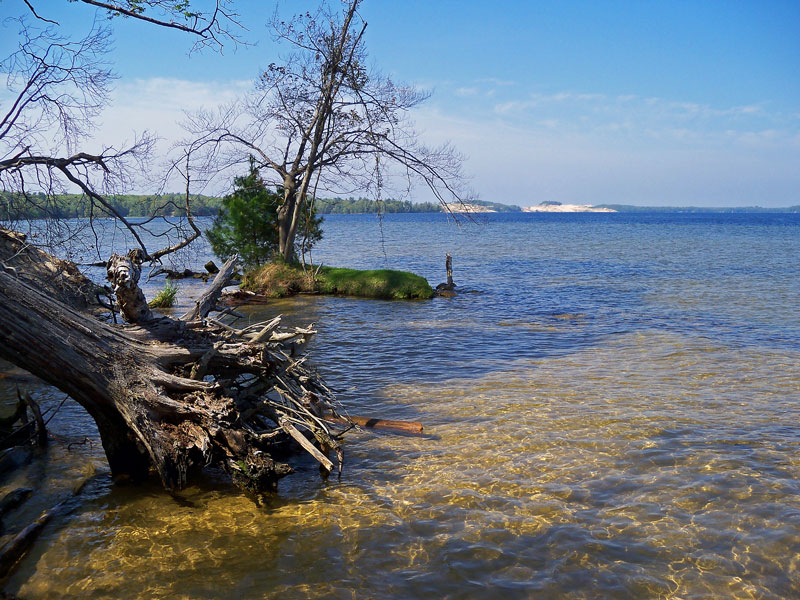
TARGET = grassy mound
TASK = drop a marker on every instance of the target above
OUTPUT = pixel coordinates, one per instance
(381, 283)
(278, 280)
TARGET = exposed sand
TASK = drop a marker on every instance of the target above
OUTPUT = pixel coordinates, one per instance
(570, 208)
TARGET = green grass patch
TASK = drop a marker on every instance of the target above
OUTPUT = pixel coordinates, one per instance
(381, 283)
(278, 280)
(166, 297)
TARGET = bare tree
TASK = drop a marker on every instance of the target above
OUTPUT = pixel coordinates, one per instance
(323, 118)
(57, 86)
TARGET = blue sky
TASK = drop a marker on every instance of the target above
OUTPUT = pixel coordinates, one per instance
(648, 103)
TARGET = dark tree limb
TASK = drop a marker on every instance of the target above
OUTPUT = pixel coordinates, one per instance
(15, 549)
(213, 28)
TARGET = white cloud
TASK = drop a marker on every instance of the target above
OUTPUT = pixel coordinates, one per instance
(158, 105)
(566, 146)
(549, 123)
(591, 148)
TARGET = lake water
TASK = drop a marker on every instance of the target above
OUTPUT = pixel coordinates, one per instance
(611, 407)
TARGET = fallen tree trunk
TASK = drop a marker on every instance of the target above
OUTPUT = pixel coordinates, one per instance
(172, 395)
(60, 278)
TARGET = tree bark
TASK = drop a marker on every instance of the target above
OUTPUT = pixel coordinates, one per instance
(136, 382)
(285, 217)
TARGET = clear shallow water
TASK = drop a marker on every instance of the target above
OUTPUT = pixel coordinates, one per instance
(612, 409)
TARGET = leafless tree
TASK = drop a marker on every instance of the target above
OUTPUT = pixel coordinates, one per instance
(57, 86)
(323, 118)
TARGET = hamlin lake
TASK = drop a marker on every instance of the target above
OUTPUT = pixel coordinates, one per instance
(611, 407)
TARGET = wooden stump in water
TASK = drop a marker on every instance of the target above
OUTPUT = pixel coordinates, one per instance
(447, 289)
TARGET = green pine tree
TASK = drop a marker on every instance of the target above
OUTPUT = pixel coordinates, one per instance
(247, 222)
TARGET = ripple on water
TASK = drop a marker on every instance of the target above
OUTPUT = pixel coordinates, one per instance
(547, 478)
(617, 419)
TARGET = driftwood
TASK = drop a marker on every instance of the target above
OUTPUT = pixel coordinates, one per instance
(208, 301)
(172, 395)
(210, 267)
(13, 499)
(375, 423)
(124, 272)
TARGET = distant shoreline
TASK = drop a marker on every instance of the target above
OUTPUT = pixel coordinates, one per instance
(70, 206)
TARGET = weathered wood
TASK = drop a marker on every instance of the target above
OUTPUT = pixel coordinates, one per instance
(60, 278)
(264, 333)
(306, 444)
(199, 370)
(136, 382)
(41, 430)
(448, 265)
(124, 272)
(13, 499)
(208, 300)
(447, 289)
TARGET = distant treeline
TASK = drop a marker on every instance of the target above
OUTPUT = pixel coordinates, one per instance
(349, 206)
(70, 206)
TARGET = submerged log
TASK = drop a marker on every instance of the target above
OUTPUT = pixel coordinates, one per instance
(12, 552)
(375, 423)
(169, 395)
(12, 500)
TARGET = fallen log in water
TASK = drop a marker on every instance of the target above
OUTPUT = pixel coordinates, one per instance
(375, 423)
(172, 395)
